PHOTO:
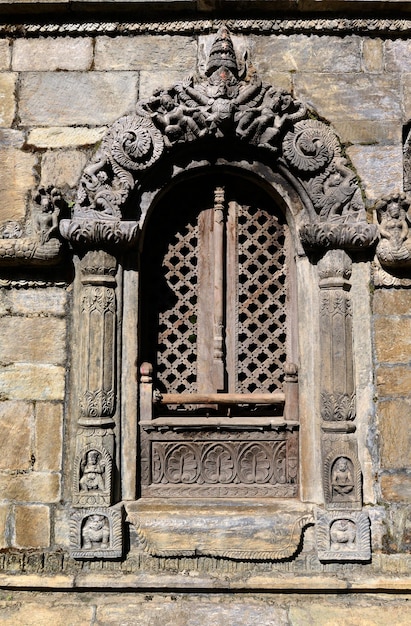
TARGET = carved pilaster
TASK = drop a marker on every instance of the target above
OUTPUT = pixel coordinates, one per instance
(337, 376)
(96, 532)
(98, 339)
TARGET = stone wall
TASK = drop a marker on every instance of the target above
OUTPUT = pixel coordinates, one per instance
(58, 94)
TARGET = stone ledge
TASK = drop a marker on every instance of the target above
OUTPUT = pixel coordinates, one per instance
(186, 581)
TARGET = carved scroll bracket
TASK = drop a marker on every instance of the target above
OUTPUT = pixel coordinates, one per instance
(100, 234)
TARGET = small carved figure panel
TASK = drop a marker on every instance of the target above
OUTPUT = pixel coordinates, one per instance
(342, 478)
(96, 533)
(343, 536)
(92, 477)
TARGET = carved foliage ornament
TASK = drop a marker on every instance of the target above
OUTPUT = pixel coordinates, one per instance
(224, 102)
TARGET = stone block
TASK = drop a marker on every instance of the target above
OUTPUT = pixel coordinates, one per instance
(62, 167)
(64, 137)
(392, 302)
(7, 100)
(393, 339)
(330, 614)
(397, 55)
(23, 381)
(32, 340)
(394, 381)
(30, 487)
(373, 55)
(394, 420)
(396, 487)
(364, 132)
(4, 512)
(42, 613)
(307, 53)
(49, 436)
(4, 54)
(406, 79)
(379, 168)
(15, 427)
(222, 610)
(146, 52)
(351, 96)
(11, 138)
(35, 302)
(150, 81)
(16, 178)
(68, 98)
(48, 54)
(32, 526)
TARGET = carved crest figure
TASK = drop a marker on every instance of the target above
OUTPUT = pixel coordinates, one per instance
(343, 535)
(95, 532)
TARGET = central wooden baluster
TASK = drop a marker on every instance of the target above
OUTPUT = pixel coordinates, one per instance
(218, 357)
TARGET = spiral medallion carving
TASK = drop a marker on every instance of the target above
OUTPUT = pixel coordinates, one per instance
(310, 146)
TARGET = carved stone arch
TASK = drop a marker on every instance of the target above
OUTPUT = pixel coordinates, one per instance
(195, 126)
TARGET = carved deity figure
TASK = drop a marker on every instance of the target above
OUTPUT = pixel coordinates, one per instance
(93, 471)
(96, 532)
(176, 119)
(45, 218)
(395, 245)
(342, 477)
(343, 535)
(262, 124)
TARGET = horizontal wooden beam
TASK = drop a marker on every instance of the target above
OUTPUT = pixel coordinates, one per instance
(222, 398)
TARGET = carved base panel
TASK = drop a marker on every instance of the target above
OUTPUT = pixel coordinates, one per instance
(96, 533)
(343, 536)
(238, 529)
(220, 464)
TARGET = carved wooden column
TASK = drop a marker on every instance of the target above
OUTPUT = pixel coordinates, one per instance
(337, 393)
(343, 530)
(95, 441)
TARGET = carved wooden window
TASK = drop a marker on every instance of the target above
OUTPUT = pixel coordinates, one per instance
(217, 328)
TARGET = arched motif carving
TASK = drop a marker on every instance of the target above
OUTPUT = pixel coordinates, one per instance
(224, 103)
